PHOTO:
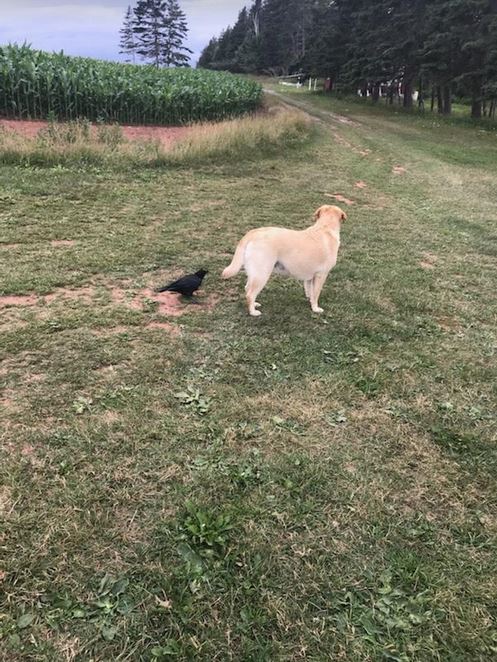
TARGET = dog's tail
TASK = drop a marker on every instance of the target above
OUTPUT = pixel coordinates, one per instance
(238, 259)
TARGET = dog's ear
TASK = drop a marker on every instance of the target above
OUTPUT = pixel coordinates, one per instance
(317, 213)
(343, 216)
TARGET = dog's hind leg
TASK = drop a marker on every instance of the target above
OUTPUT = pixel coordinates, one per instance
(308, 288)
(258, 273)
(254, 286)
(258, 267)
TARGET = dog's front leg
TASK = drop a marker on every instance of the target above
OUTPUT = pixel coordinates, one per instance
(317, 285)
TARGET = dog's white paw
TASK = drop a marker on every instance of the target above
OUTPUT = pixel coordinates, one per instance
(317, 310)
(255, 313)
(257, 305)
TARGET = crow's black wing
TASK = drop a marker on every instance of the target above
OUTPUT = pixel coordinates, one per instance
(185, 285)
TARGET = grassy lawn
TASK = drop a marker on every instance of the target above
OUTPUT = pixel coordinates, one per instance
(293, 487)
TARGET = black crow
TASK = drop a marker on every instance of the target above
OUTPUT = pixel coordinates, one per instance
(186, 285)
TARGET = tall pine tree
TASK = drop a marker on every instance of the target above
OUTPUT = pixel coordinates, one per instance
(174, 53)
(208, 55)
(160, 29)
(127, 43)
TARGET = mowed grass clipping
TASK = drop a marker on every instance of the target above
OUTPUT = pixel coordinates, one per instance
(209, 486)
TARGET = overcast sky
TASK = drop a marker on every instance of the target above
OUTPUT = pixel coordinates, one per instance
(91, 27)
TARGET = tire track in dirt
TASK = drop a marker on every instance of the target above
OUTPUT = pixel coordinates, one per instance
(320, 115)
(333, 121)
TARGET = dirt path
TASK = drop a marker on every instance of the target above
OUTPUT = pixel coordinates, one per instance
(322, 115)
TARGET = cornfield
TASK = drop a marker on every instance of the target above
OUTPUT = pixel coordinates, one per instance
(39, 85)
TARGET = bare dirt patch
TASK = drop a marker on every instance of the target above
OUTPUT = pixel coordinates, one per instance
(361, 184)
(399, 170)
(169, 303)
(18, 300)
(34, 378)
(447, 323)
(210, 302)
(57, 243)
(124, 294)
(8, 246)
(27, 450)
(343, 141)
(167, 135)
(429, 261)
(85, 294)
(8, 401)
(207, 205)
(340, 198)
(109, 416)
(165, 326)
(357, 150)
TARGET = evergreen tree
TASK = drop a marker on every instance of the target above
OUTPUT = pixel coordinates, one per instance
(283, 34)
(238, 47)
(224, 52)
(174, 54)
(373, 45)
(208, 55)
(249, 54)
(148, 28)
(160, 29)
(442, 59)
(127, 42)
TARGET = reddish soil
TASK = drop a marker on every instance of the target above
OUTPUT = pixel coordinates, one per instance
(166, 134)
(20, 300)
(429, 261)
(85, 294)
(165, 326)
(361, 184)
(169, 303)
(340, 198)
(399, 170)
(56, 243)
(340, 139)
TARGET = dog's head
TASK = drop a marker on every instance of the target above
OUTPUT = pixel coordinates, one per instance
(330, 211)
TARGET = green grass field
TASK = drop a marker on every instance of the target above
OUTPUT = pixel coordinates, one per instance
(293, 487)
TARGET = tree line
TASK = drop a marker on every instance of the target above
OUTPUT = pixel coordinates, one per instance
(154, 31)
(391, 48)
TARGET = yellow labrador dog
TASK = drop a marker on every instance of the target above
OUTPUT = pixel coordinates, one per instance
(308, 255)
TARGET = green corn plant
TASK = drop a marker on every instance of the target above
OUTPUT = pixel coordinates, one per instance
(35, 84)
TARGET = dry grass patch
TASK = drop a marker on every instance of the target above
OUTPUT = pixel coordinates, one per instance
(75, 142)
